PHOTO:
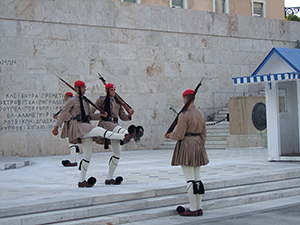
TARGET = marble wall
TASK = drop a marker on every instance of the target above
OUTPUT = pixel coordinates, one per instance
(151, 53)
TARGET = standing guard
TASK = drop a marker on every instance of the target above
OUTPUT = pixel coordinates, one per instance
(190, 152)
(114, 109)
(82, 131)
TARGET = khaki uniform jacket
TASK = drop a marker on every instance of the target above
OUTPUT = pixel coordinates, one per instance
(190, 150)
(116, 110)
(76, 128)
(65, 129)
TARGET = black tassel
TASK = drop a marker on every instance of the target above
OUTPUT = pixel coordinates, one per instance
(106, 143)
(83, 115)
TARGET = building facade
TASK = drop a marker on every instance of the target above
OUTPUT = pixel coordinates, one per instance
(151, 53)
(273, 9)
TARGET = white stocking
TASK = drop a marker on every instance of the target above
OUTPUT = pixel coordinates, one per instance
(99, 131)
(116, 148)
(188, 172)
(197, 178)
(87, 148)
(73, 153)
(120, 130)
(114, 161)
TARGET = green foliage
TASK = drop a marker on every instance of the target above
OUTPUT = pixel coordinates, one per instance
(293, 17)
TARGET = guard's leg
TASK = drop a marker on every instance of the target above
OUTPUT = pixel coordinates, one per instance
(87, 145)
(99, 131)
(73, 152)
(138, 131)
(198, 196)
(114, 160)
(188, 172)
(113, 163)
(120, 130)
(74, 149)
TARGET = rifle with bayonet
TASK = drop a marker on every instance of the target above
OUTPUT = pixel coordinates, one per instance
(84, 97)
(185, 107)
(118, 97)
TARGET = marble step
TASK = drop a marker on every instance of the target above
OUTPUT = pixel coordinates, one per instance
(157, 203)
(140, 210)
(216, 138)
(219, 215)
(224, 111)
(161, 212)
(213, 124)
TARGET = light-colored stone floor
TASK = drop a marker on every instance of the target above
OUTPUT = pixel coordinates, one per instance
(46, 180)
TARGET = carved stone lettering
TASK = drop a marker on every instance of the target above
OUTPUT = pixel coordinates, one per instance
(29, 111)
(7, 62)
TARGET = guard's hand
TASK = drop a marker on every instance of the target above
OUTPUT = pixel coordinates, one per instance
(55, 130)
(167, 136)
(131, 112)
(105, 114)
(54, 116)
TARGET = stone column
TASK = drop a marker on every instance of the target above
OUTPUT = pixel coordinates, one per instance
(273, 123)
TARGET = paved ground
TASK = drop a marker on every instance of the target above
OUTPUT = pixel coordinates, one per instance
(46, 180)
(283, 216)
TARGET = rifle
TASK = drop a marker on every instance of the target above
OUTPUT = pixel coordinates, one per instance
(185, 107)
(85, 98)
(122, 102)
(57, 112)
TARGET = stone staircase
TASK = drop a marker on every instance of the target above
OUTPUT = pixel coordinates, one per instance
(151, 205)
(217, 133)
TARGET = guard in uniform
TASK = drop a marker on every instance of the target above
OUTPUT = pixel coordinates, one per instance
(190, 152)
(114, 109)
(74, 148)
(82, 131)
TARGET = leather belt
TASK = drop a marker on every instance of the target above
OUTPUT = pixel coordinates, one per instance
(191, 134)
(111, 119)
(78, 117)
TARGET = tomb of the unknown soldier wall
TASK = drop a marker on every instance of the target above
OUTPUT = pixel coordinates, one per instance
(151, 53)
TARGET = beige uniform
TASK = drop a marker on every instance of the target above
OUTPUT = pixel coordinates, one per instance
(77, 129)
(190, 150)
(116, 111)
(65, 129)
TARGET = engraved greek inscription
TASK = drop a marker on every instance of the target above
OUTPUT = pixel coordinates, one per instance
(28, 111)
(7, 62)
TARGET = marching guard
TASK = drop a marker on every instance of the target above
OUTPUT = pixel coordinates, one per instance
(111, 104)
(74, 148)
(82, 131)
(190, 152)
